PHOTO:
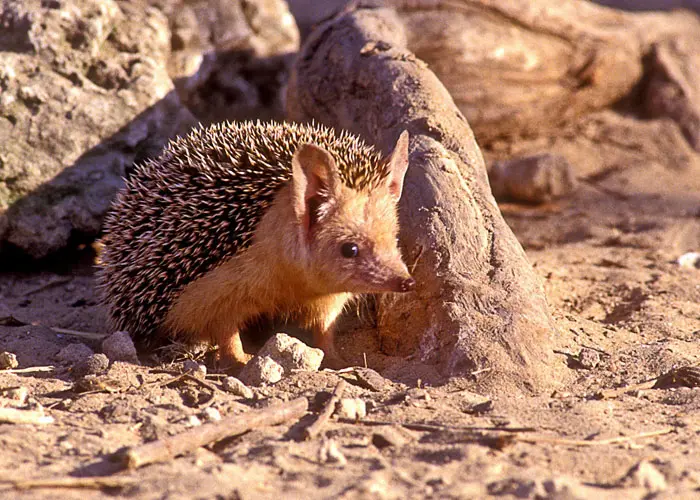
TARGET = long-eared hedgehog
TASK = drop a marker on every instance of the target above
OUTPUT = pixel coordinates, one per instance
(240, 220)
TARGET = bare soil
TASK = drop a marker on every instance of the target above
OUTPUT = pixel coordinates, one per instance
(608, 258)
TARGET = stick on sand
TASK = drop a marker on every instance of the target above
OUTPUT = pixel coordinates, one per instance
(323, 417)
(169, 448)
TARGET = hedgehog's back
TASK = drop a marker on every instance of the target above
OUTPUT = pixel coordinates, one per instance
(198, 204)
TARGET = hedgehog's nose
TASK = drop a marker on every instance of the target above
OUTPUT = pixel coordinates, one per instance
(407, 285)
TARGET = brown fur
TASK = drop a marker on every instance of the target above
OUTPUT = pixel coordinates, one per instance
(294, 267)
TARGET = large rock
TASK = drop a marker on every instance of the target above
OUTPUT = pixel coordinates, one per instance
(230, 59)
(86, 89)
(85, 93)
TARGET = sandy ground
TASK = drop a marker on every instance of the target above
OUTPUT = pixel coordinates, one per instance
(626, 311)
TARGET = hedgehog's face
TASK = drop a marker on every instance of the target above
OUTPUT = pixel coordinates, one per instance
(351, 235)
(353, 244)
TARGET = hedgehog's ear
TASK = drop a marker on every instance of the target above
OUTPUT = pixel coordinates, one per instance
(315, 180)
(398, 164)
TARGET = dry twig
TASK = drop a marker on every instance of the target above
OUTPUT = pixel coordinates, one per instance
(73, 482)
(76, 333)
(31, 369)
(327, 411)
(600, 442)
(15, 416)
(171, 447)
(439, 427)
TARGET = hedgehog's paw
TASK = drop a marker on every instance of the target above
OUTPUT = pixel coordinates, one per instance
(231, 354)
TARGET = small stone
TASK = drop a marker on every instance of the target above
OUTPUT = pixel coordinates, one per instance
(532, 179)
(211, 414)
(19, 395)
(471, 402)
(73, 354)
(418, 397)
(237, 388)
(261, 370)
(153, 428)
(329, 453)
(193, 421)
(389, 437)
(92, 365)
(517, 487)
(120, 347)
(566, 488)
(8, 360)
(197, 370)
(645, 475)
(690, 260)
(588, 358)
(291, 354)
(370, 379)
(352, 408)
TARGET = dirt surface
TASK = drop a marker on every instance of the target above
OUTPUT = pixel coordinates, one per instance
(626, 313)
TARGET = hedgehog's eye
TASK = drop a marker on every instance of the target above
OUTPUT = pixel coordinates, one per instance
(349, 250)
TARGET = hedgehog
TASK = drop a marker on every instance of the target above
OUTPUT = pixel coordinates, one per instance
(238, 221)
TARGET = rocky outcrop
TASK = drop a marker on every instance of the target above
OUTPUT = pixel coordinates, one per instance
(88, 87)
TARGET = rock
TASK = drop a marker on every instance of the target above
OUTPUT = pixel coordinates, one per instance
(370, 379)
(8, 360)
(532, 179)
(471, 402)
(74, 353)
(238, 388)
(566, 489)
(193, 421)
(673, 87)
(261, 370)
(153, 428)
(517, 487)
(389, 437)
(120, 347)
(230, 60)
(329, 453)
(588, 358)
(18, 395)
(352, 408)
(196, 369)
(291, 353)
(689, 260)
(644, 475)
(85, 94)
(91, 365)
(211, 414)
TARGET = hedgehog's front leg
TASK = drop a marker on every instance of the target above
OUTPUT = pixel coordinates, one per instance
(320, 317)
(231, 348)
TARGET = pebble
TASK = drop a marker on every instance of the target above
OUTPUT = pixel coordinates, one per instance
(329, 453)
(74, 353)
(120, 347)
(197, 370)
(291, 353)
(645, 475)
(211, 414)
(690, 260)
(389, 437)
(92, 365)
(588, 358)
(533, 179)
(193, 421)
(19, 395)
(261, 370)
(8, 360)
(352, 408)
(237, 388)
